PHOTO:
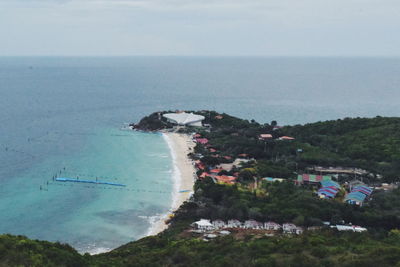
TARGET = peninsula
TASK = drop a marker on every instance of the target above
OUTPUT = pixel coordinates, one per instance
(261, 194)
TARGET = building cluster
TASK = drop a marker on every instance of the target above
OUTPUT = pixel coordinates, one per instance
(328, 189)
(354, 228)
(359, 192)
(205, 225)
(266, 137)
(312, 179)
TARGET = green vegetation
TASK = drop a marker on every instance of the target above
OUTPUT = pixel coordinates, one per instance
(321, 248)
(20, 251)
(371, 144)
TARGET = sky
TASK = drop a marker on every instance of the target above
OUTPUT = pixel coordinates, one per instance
(200, 27)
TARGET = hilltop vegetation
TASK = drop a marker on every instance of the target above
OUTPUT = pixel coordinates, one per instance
(324, 248)
(372, 144)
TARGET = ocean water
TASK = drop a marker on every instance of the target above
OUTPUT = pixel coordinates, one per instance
(66, 114)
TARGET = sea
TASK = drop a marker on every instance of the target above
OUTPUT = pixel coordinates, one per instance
(68, 117)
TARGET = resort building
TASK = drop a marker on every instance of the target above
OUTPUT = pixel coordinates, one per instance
(234, 224)
(312, 178)
(290, 228)
(185, 119)
(252, 224)
(202, 141)
(218, 224)
(225, 179)
(203, 225)
(358, 194)
(273, 226)
(288, 138)
(353, 228)
(329, 189)
(265, 136)
(339, 170)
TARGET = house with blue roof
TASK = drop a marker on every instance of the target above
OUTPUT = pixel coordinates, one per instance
(328, 189)
(358, 194)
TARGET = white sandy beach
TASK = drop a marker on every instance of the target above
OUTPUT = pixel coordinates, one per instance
(183, 173)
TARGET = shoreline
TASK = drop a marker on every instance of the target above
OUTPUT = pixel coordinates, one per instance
(183, 176)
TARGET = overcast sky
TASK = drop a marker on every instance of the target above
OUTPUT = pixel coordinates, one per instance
(200, 27)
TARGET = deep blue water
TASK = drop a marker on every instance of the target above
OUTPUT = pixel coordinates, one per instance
(66, 113)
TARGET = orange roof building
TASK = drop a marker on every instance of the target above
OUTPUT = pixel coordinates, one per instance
(225, 179)
(215, 171)
(265, 136)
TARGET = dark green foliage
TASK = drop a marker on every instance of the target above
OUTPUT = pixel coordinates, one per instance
(373, 144)
(153, 122)
(325, 248)
(20, 251)
(321, 248)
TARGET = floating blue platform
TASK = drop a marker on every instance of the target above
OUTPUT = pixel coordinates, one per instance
(87, 181)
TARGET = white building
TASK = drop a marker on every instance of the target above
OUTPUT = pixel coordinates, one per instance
(353, 228)
(252, 224)
(218, 224)
(204, 225)
(289, 228)
(272, 226)
(234, 224)
(184, 118)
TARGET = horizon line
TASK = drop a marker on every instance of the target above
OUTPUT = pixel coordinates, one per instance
(206, 56)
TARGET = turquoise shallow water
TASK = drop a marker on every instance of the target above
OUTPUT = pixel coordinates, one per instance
(92, 217)
(67, 112)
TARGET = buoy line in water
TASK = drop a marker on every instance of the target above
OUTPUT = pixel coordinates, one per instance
(10, 149)
(40, 138)
(101, 186)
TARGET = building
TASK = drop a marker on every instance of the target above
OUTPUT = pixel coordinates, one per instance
(265, 136)
(234, 224)
(215, 171)
(312, 178)
(289, 228)
(272, 226)
(218, 224)
(203, 225)
(202, 141)
(328, 189)
(252, 224)
(287, 138)
(225, 179)
(353, 228)
(340, 170)
(358, 194)
(183, 118)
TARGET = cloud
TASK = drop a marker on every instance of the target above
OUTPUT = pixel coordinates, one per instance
(195, 27)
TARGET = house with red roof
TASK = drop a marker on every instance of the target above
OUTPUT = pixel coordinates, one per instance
(215, 171)
(265, 136)
(202, 141)
(204, 175)
(288, 138)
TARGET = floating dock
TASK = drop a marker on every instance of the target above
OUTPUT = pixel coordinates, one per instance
(87, 181)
